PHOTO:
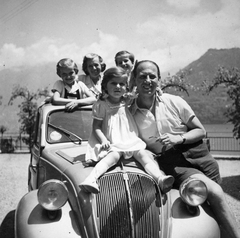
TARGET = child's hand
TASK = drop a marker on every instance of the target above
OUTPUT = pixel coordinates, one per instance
(105, 145)
(48, 100)
(130, 95)
(71, 105)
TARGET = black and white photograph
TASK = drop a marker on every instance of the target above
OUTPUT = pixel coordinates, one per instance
(120, 119)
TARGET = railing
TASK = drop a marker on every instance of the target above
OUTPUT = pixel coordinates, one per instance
(15, 144)
(224, 143)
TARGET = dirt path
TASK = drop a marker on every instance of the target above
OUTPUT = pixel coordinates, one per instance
(13, 181)
(230, 173)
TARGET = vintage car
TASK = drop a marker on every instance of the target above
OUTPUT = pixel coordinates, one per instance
(129, 204)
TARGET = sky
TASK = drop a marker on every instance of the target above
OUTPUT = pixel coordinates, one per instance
(172, 33)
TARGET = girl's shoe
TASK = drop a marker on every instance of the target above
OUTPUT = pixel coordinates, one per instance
(90, 186)
(165, 183)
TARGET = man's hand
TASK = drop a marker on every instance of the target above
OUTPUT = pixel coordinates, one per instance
(169, 139)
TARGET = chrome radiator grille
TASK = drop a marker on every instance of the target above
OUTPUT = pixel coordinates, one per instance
(127, 206)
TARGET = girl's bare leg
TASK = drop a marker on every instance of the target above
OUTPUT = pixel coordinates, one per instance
(90, 183)
(151, 167)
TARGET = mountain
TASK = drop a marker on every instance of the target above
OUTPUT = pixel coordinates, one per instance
(209, 108)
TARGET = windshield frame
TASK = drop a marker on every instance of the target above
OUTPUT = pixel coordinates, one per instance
(63, 122)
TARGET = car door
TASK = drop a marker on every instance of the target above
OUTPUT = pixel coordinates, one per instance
(33, 169)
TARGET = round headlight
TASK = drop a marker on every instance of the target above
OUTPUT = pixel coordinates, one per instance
(52, 194)
(193, 192)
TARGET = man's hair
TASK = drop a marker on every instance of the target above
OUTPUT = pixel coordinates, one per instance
(134, 72)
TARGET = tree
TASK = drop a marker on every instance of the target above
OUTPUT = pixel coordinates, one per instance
(178, 82)
(3, 129)
(28, 108)
(231, 80)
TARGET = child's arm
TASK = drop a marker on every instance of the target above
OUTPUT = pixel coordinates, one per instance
(58, 100)
(80, 102)
(97, 129)
(89, 99)
(72, 103)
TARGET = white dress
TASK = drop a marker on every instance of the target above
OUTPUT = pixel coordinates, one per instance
(119, 128)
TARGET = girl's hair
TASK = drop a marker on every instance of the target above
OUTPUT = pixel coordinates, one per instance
(91, 56)
(134, 71)
(66, 63)
(124, 52)
(114, 72)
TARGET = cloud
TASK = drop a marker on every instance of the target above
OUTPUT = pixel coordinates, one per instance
(107, 46)
(184, 4)
(44, 51)
(173, 37)
(52, 50)
(10, 54)
(178, 39)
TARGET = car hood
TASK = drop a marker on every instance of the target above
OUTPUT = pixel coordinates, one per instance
(73, 154)
(129, 201)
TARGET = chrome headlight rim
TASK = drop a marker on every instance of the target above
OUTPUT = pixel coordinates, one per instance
(52, 194)
(193, 192)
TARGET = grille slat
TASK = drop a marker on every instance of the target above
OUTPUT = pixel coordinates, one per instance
(145, 211)
(113, 207)
(114, 220)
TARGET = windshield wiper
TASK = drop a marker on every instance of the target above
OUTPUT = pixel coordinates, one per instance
(67, 133)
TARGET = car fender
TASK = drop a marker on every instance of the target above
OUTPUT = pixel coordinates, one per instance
(187, 225)
(31, 220)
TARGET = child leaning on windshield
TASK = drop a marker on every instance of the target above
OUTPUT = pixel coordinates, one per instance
(69, 91)
(115, 134)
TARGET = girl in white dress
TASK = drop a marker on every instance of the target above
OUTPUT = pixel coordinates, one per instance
(115, 134)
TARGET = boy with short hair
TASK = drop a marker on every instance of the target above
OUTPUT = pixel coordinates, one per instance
(69, 91)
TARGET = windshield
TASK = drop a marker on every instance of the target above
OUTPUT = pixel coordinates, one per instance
(69, 126)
